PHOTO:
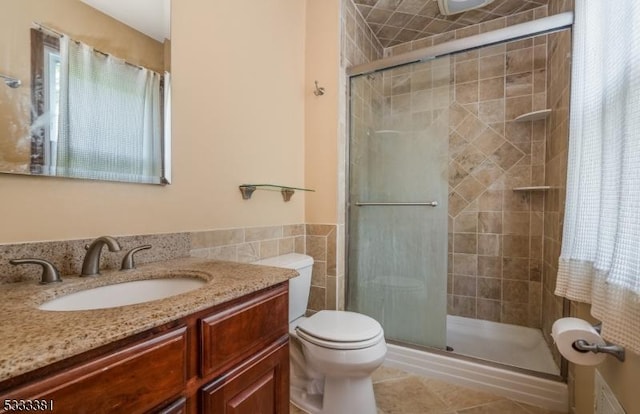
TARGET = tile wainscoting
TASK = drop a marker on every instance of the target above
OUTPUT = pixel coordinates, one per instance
(67, 255)
(253, 243)
(244, 244)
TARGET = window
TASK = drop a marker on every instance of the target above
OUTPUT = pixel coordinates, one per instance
(52, 104)
(94, 116)
(45, 80)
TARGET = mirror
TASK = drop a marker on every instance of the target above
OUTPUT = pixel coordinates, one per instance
(85, 89)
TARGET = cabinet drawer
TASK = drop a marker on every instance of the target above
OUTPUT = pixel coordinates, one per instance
(133, 380)
(234, 334)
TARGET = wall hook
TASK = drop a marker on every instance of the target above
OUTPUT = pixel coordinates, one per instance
(319, 90)
(14, 83)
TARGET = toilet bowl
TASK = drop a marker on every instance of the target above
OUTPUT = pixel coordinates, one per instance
(333, 353)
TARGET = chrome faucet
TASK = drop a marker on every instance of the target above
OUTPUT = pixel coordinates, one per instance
(91, 263)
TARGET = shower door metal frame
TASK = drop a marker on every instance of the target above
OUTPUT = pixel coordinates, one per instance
(545, 25)
(536, 27)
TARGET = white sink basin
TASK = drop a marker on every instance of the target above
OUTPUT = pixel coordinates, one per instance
(121, 294)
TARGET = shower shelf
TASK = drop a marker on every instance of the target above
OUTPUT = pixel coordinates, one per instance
(248, 189)
(533, 116)
(533, 188)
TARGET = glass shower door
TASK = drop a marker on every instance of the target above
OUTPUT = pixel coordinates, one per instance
(397, 202)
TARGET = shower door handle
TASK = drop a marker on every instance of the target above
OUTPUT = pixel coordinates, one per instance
(429, 204)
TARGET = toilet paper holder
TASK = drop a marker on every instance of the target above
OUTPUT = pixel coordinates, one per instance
(583, 346)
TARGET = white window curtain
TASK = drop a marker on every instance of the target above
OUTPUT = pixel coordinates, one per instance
(110, 113)
(600, 259)
(167, 128)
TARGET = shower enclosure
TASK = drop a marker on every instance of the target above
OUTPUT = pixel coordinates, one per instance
(446, 200)
(398, 200)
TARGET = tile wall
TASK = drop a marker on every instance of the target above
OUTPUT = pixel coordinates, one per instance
(495, 268)
(467, 31)
(556, 156)
(495, 233)
(559, 80)
(358, 45)
(396, 22)
(248, 244)
(327, 285)
(253, 243)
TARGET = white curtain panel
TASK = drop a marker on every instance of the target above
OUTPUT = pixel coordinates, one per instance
(600, 259)
(110, 117)
(167, 127)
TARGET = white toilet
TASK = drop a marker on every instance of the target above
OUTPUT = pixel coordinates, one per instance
(333, 353)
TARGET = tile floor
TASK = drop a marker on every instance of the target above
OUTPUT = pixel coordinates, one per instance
(398, 392)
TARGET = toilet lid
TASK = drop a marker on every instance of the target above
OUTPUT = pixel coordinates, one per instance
(340, 345)
(340, 326)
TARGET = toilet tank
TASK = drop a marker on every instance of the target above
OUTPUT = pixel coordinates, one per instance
(299, 286)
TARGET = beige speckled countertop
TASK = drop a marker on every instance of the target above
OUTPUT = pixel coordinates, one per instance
(31, 338)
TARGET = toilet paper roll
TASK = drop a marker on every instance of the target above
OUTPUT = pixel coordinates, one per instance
(566, 331)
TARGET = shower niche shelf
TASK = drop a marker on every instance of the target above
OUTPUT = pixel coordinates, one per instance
(286, 191)
(533, 116)
(533, 188)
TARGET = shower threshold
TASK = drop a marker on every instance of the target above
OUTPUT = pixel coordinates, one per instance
(542, 390)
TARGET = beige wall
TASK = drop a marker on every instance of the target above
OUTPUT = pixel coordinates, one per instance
(321, 113)
(238, 101)
(623, 377)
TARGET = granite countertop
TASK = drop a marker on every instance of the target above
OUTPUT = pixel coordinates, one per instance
(31, 338)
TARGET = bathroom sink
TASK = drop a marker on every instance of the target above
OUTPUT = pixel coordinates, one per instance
(121, 294)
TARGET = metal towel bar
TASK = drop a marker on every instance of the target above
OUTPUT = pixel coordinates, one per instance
(430, 204)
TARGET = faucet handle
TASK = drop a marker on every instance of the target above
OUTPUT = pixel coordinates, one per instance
(49, 272)
(127, 261)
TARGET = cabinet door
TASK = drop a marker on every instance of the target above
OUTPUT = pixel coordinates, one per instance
(132, 380)
(259, 386)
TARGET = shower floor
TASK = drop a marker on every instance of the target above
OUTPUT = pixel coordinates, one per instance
(513, 345)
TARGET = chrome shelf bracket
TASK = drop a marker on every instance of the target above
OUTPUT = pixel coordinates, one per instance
(286, 191)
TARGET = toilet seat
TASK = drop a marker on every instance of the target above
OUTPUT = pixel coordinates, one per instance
(340, 330)
(340, 345)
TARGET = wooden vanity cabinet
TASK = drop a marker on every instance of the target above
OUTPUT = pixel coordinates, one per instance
(258, 386)
(134, 379)
(230, 359)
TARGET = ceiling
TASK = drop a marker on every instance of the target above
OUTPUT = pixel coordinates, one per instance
(151, 17)
(399, 21)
